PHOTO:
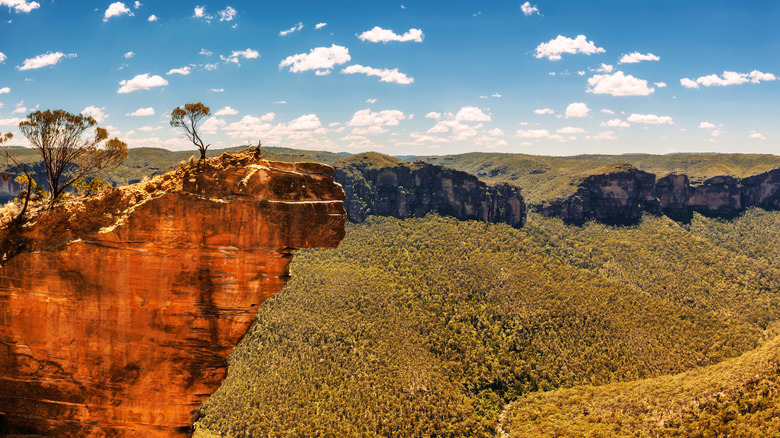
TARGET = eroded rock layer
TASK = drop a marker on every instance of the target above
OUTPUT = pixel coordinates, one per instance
(118, 314)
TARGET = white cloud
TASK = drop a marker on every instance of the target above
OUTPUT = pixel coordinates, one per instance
(200, 12)
(148, 111)
(581, 73)
(707, 125)
(320, 25)
(227, 14)
(152, 18)
(496, 95)
(137, 4)
(95, 112)
(216, 90)
(607, 111)
(605, 135)
(433, 115)
(129, 55)
(280, 102)
(633, 58)
(604, 68)
(322, 72)
(650, 119)
(371, 100)
(226, 111)
(384, 74)
(756, 135)
(553, 49)
(141, 82)
(496, 132)
(179, 71)
(212, 124)
(319, 58)
(2, 57)
(618, 84)
(528, 9)
(616, 123)
(544, 111)
(571, 130)
(210, 67)
(471, 114)
(5, 90)
(577, 110)
(19, 110)
(536, 133)
(716, 132)
(728, 78)
(660, 84)
(20, 5)
(116, 9)
(205, 52)
(13, 121)
(366, 117)
(47, 59)
(295, 28)
(246, 54)
(379, 35)
(147, 128)
(371, 130)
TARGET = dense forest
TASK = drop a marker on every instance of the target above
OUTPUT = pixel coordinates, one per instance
(435, 327)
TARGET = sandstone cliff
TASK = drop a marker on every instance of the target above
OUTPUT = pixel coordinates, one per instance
(117, 313)
(375, 184)
(621, 193)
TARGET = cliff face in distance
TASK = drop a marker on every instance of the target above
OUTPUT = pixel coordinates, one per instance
(376, 184)
(117, 314)
(620, 196)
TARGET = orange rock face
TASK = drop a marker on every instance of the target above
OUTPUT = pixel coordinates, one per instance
(117, 316)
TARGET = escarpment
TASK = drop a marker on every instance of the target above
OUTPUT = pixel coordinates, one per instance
(622, 193)
(376, 184)
(117, 313)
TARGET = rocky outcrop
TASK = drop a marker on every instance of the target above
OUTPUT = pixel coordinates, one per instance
(620, 196)
(617, 197)
(413, 190)
(117, 314)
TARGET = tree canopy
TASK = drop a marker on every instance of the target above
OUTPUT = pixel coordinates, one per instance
(68, 157)
(188, 119)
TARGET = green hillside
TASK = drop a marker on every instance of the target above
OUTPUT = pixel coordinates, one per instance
(429, 327)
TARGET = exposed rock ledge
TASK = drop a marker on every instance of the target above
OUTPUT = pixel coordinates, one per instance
(117, 314)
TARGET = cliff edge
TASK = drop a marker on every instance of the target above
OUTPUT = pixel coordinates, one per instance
(117, 313)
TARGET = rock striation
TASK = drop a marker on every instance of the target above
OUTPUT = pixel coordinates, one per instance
(387, 187)
(621, 194)
(117, 313)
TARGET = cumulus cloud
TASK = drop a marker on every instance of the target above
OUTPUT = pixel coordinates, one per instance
(5, 90)
(205, 52)
(728, 78)
(148, 111)
(571, 130)
(529, 9)
(237, 54)
(604, 68)
(616, 123)
(707, 125)
(227, 14)
(45, 60)
(605, 135)
(433, 115)
(385, 75)
(137, 4)
(320, 25)
(660, 84)
(95, 112)
(553, 49)
(226, 111)
(618, 84)
(116, 9)
(471, 114)
(607, 111)
(216, 90)
(13, 121)
(179, 71)
(129, 55)
(544, 111)
(319, 58)
(20, 5)
(152, 18)
(577, 110)
(379, 35)
(537, 133)
(295, 28)
(2, 57)
(756, 135)
(141, 82)
(366, 117)
(635, 57)
(200, 12)
(650, 119)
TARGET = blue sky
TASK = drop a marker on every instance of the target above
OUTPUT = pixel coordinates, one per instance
(406, 77)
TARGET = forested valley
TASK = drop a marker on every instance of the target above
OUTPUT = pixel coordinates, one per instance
(436, 327)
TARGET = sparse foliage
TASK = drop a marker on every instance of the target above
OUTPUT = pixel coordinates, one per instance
(188, 119)
(95, 185)
(67, 157)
